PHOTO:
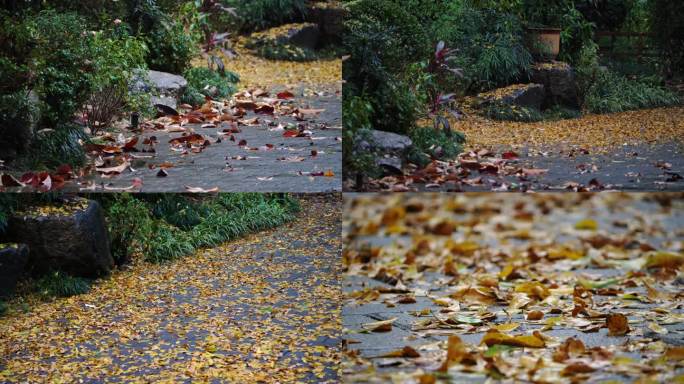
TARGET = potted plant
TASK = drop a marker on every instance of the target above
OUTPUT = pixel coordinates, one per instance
(543, 19)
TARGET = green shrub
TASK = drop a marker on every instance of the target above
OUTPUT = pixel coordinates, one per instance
(182, 223)
(3, 308)
(430, 143)
(261, 14)
(490, 45)
(205, 82)
(170, 48)
(130, 226)
(399, 32)
(8, 202)
(613, 93)
(59, 284)
(358, 155)
(64, 65)
(558, 112)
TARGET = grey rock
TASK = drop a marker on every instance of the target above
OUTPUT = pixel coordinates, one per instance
(390, 165)
(303, 35)
(13, 260)
(392, 150)
(164, 88)
(390, 143)
(524, 95)
(77, 244)
(559, 83)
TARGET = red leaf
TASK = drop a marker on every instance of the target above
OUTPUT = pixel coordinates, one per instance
(7, 180)
(286, 95)
(509, 155)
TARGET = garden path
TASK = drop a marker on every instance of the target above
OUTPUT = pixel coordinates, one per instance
(503, 227)
(260, 309)
(636, 150)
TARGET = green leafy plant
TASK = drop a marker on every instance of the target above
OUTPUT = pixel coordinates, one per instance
(59, 284)
(3, 308)
(170, 47)
(205, 82)
(117, 57)
(130, 226)
(63, 64)
(489, 46)
(510, 112)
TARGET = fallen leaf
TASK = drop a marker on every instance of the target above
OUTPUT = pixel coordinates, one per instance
(617, 324)
(380, 326)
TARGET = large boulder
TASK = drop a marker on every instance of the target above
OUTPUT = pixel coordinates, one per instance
(164, 88)
(392, 150)
(302, 35)
(330, 16)
(524, 95)
(13, 260)
(559, 83)
(71, 238)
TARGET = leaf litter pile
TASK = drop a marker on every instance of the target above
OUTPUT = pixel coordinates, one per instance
(263, 309)
(538, 288)
(277, 106)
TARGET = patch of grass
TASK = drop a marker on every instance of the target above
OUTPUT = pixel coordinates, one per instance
(508, 112)
(181, 223)
(614, 93)
(51, 149)
(274, 50)
(179, 210)
(558, 112)
(59, 284)
(430, 143)
(169, 243)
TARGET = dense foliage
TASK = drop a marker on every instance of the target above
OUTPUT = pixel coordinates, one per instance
(254, 15)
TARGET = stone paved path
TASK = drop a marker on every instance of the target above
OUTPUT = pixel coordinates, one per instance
(656, 220)
(260, 171)
(264, 309)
